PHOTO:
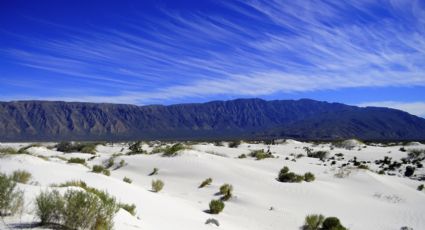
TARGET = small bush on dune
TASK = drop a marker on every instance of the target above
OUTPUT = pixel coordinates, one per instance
(242, 156)
(409, 171)
(421, 187)
(76, 160)
(127, 180)
(226, 190)
(286, 176)
(313, 222)
(11, 198)
(308, 177)
(157, 185)
(49, 207)
(173, 150)
(68, 147)
(318, 154)
(101, 169)
(216, 206)
(319, 222)
(129, 208)
(234, 144)
(76, 209)
(21, 176)
(136, 148)
(206, 182)
(260, 154)
(8, 150)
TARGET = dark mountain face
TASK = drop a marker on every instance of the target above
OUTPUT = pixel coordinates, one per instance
(242, 118)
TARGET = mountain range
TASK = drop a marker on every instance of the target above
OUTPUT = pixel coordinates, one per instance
(234, 119)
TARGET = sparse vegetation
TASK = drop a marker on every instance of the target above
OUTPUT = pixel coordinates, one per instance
(226, 190)
(319, 222)
(409, 171)
(170, 151)
(8, 150)
(127, 180)
(21, 176)
(260, 154)
(309, 177)
(216, 206)
(11, 198)
(136, 148)
(76, 209)
(421, 187)
(242, 156)
(130, 208)
(206, 182)
(289, 177)
(234, 144)
(101, 169)
(76, 160)
(157, 185)
(68, 147)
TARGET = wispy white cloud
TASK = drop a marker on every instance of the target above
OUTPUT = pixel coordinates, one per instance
(271, 47)
(415, 108)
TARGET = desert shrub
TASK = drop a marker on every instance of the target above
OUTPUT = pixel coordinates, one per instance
(342, 173)
(318, 154)
(319, 222)
(421, 187)
(173, 150)
(308, 177)
(76, 160)
(8, 150)
(206, 182)
(362, 166)
(157, 185)
(136, 148)
(11, 198)
(409, 171)
(313, 222)
(226, 190)
(242, 156)
(402, 149)
(24, 149)
(339, 155)
(127, 180)
(154, 172)
(332, 223)
(49, 207)
(80, 210)
(21, 176)
(216, 206)
(260, 154)
(68, 147)
(130, 208)
(110, 162)
(98, 168)
(286, 176)
(234, 144)
(73, 183)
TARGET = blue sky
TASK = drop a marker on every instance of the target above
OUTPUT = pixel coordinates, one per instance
(164, 52)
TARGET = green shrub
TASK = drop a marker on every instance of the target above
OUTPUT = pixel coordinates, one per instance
(308, 177)
(260, 154)
(157, 185)
(98, 168)
(286, 176)
(234, 144)
(421, 187)
(24, 149)
(11, 198)
(81, 209)
(8, 150)
(154, 172)
(216, 206)
(21, 176)
(129, 208)
(127, 180)
(332, 223)
(173, 150)
(362, 166)
(136, 148)
(76, 160)
(226, 190)
(49, 207)
(319, 222)
(242, 156)
(313, 222)
(318, 154)
(68, 147)
(206, 182)
(110, 162)
(409, 171)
